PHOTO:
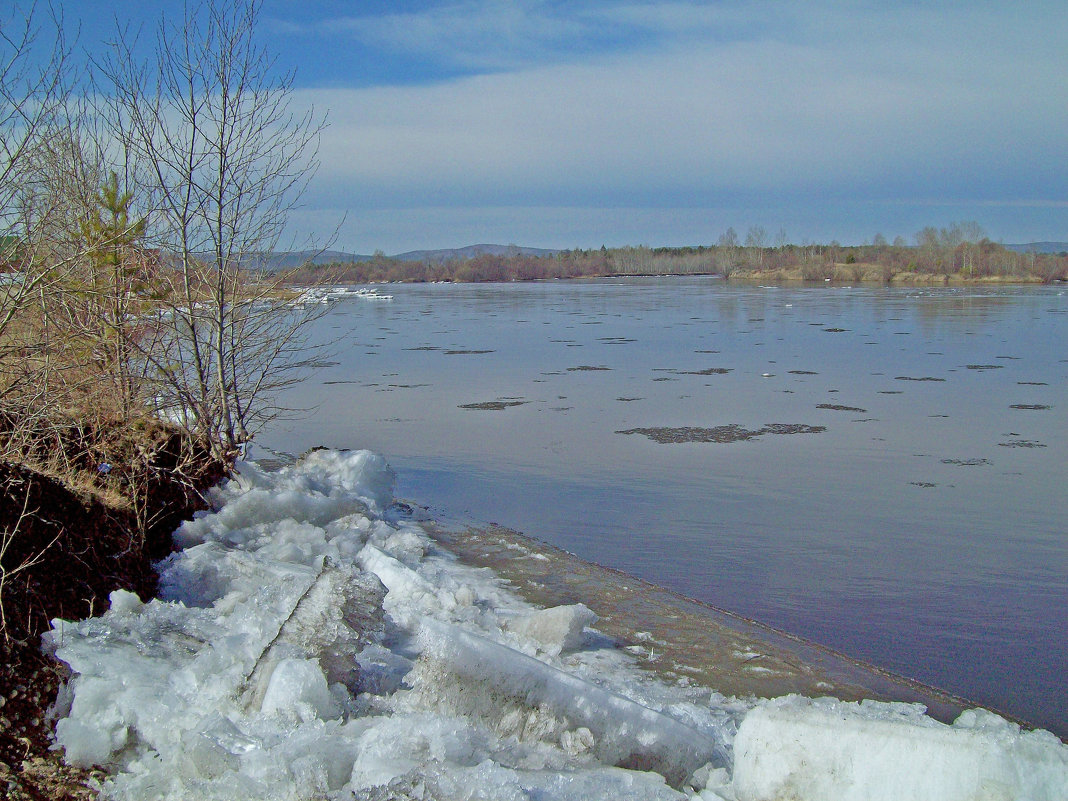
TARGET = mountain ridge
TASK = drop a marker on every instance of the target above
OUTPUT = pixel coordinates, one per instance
(290, 259)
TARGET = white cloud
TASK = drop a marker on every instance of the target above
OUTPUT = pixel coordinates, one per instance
(685, 19)
(495, 35)
(872, 104)
(472, 34)
(744, 116)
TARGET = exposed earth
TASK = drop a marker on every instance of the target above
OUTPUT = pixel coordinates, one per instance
(65, 544)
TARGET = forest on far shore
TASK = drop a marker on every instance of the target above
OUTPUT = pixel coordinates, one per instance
(959, 252)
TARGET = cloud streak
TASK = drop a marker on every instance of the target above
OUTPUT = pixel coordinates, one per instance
(742, 117)
(493, 36)
(690, 105)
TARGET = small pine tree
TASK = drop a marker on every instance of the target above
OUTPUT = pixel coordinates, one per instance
(115, 275)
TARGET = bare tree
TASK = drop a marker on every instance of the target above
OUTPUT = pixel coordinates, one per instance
(941, 247)
(964, 238)
(727, 252)
(33, 92)
(45, 188)
(927, 242)
(208, 129)
(67, 344)
(757, 239)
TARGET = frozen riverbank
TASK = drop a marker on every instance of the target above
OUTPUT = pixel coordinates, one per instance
(311, 641)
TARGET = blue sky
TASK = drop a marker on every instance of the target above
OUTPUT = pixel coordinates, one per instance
(576, 124)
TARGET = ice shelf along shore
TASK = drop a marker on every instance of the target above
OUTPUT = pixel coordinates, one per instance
(311, 641)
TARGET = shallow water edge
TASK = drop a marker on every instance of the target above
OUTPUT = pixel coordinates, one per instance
(683, 640)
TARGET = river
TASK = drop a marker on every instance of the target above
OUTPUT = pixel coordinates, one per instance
(880, 470)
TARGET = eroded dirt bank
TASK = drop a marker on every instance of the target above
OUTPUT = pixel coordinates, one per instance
(66, 542)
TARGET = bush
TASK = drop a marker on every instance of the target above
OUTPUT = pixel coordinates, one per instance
(816, 270)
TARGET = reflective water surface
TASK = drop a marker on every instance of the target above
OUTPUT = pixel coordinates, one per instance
(919, 523)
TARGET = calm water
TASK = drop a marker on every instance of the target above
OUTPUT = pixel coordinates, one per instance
(923, 530)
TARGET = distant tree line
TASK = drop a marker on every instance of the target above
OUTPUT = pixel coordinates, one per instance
(960, 251)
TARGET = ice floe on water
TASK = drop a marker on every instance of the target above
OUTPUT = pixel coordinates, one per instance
(311, 642)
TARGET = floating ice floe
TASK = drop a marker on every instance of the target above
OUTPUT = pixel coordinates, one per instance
(310, 642)
(328, 294)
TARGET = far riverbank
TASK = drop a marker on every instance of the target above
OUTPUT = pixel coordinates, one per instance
(942, 259)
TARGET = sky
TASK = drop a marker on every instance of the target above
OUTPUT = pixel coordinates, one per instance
(622, 122)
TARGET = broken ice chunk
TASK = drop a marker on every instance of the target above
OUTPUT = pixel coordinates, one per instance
(556, 629)
(801, 748)
(461, 674)
(298, 687)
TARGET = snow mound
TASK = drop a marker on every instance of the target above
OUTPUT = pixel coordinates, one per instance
(829, 750)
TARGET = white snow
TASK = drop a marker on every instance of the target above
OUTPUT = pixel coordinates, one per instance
(310, 643)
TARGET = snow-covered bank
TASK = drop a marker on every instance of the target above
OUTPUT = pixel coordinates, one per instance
(312, 642)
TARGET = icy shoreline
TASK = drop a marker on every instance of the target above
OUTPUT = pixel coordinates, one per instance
(312, 642)
(677, 638)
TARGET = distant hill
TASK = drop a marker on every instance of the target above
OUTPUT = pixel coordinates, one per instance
(295, 258)
(291, 259)
(470, 252)
(1040, 247)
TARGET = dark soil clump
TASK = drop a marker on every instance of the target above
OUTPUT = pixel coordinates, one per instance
(791, 428)
(67, 543)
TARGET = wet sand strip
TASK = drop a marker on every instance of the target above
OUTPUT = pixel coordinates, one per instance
(679, 638)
